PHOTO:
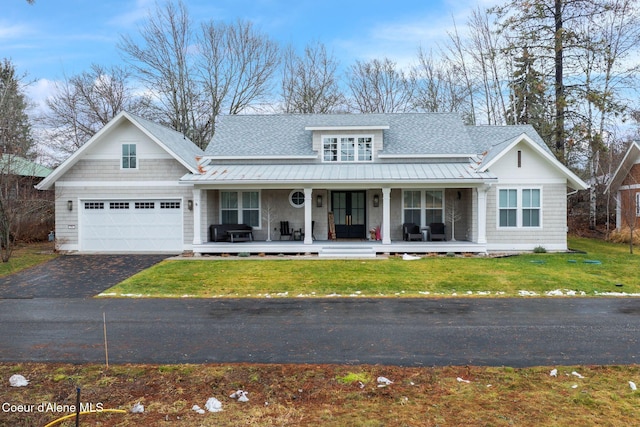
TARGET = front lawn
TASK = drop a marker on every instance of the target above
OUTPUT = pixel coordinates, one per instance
(27, 255)
(605, 268)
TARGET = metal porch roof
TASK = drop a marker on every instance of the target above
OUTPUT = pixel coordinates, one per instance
(352, 173)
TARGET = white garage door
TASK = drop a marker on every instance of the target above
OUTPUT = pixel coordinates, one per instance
(131, 225)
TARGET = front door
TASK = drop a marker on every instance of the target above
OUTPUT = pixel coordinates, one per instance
(349, 209)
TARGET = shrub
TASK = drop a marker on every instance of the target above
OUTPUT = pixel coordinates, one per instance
(622, 236)
(539, 250)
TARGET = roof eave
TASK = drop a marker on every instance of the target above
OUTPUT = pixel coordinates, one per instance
(573, 180)
(625, 166)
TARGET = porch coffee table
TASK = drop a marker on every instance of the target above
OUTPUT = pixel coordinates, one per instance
(240, 235)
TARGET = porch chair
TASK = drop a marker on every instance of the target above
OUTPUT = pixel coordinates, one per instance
(285, 230)
(437, 230)
(411, 231)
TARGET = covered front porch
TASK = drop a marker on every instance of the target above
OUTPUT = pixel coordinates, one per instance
(340, 222)
(323, 208)
(339, 249)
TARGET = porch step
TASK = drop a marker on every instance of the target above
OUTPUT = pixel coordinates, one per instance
(340, 251)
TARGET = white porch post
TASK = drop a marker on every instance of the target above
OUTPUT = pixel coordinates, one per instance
(308, 234)
(386, 215)
(482, 214)
(197, 217)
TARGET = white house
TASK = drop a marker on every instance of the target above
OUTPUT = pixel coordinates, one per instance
(337, 179)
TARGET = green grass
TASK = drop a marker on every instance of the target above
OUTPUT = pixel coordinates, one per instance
(26, 256)
(433, 276)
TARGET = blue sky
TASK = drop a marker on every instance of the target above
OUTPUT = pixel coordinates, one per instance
(56, 38)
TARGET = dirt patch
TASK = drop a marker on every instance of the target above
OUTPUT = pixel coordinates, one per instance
(327, 395)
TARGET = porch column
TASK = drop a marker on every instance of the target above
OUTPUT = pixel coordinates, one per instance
(308, 234)
(482, 214)
(197, 217)
(386, 215)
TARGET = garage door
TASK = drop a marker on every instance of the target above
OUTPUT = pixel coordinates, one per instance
(131, 225)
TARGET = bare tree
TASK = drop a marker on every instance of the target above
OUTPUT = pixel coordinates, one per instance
(19, 201)
(486, 51)
(236, 64)
(309, 82)
(196, 76)
(378, 86)
(84, 103)
(438, 88)
(164, 61)
(457, 56)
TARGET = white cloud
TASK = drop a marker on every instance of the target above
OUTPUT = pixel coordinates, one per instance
(139, 11)
(38, 92)
(11, 32)
(400, 40)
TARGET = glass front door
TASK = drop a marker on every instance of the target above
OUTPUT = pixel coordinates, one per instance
(349, 210)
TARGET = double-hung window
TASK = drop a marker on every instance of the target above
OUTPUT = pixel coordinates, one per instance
(519, 207)
(434, 206)
(347, 148)
(412, 203)
(531, 207)
(240, 207)
(508, 208)
(129, 156)
(422, 207)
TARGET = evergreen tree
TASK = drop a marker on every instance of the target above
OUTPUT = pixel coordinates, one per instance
(529, 102)
(15, 126)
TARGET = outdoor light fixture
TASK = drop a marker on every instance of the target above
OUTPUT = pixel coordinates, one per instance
(376, 200)
(70, 205)
(319, 200)
(190, 205)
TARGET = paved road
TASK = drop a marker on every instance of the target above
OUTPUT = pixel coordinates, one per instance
(408, 332)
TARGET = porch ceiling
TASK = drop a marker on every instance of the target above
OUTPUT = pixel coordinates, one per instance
(341, 173)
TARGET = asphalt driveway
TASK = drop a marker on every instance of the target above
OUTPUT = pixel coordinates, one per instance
(74, 276)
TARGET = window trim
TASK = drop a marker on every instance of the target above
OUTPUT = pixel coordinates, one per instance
(520, 208)
(356, 151)
(422, 208)
(297, 190)
(240, 209)
(637, 203)
(129, 156)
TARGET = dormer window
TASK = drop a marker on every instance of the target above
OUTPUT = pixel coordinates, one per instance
(347, 148)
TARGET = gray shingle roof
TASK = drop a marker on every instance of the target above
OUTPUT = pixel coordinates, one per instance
(180, 145)
(407, 134)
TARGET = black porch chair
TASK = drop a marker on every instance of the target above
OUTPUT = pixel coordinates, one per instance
(285, 230)
(437, 230)
(411, 231)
